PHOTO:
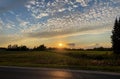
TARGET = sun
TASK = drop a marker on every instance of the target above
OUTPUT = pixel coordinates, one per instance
(60, 45)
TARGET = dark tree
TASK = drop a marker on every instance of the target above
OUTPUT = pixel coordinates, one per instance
(23, 48)
(40, 48)
(17, 48)
(116, 37)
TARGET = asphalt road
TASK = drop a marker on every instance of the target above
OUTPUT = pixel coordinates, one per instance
(45, 73)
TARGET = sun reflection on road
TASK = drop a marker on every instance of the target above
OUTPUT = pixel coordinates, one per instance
(61, 74)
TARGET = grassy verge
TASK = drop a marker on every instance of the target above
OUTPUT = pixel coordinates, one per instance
(84, 60)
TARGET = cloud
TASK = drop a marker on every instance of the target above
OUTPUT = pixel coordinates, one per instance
(93, 46)
(64, 32)
(24, 23)
(9, 26)
(83, 2)
(115, 1)
(61, 18)
(39, 16)
(9, 39)
(61, 10)
(96, 18)
(41, 9)
(1, 24)
(31, 29)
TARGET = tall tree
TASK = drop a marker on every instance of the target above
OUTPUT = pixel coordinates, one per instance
(116, 37)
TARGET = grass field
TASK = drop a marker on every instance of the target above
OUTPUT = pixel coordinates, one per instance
(88, 60)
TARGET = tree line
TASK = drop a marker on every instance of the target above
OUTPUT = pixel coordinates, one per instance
(43, 48)
(25, 48)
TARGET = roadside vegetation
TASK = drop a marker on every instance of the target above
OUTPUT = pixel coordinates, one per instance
(71, 59)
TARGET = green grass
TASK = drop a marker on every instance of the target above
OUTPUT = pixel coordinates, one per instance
(88, 60)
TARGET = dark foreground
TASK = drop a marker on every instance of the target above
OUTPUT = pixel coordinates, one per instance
(44, 73)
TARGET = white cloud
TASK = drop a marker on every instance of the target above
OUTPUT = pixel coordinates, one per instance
(115, 1)
(41, 9)
(61, 10)
(9, 25)
(1, 24)
(38, 16)
(83, 3)
(31, 29)
(75, 6)
(28, 6)
(33, 2)
(24, 24)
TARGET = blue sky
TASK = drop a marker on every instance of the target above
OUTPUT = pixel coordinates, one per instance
(87, 23)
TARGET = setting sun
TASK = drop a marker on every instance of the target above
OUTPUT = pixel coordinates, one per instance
(60, 45)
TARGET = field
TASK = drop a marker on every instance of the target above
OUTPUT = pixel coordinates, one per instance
(84, 60)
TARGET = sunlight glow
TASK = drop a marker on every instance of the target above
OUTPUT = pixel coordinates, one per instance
(60, 45)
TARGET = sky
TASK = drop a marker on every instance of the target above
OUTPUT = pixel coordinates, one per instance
(85, 23)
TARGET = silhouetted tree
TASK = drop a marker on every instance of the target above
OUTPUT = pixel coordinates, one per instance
(17, 48)
(9, 46)
(23, 48)
(116, 37)
(40, 48)
(13, 47)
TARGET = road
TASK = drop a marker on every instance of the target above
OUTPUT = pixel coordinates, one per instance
(46, 73)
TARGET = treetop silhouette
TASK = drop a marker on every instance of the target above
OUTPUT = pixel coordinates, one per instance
(116, 37)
